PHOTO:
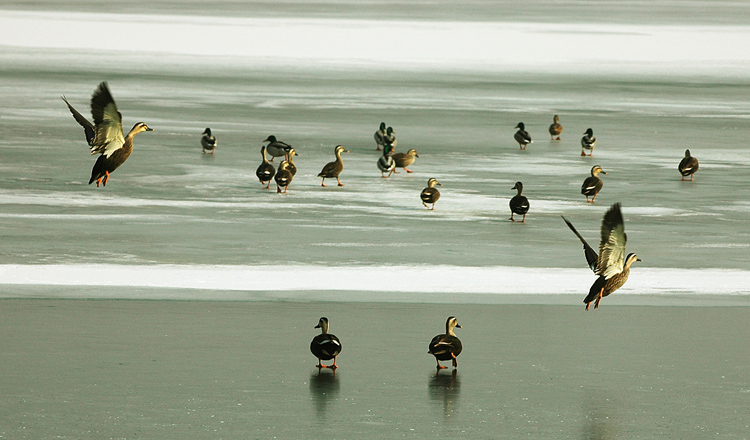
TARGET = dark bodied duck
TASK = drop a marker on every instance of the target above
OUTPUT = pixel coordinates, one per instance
(612, 266)
(283, 177)
(688, 166)
(521, 136)
(555, 129)
(265, 171)
(325, 346)
(208, 142)
(276, 148)
(333, 169)
(593, 184)
(380, 137)
(290, 159)
(386, 164)
(403, 160)
(446, 347)
(519, 204)
(430, 194)
(588, 142)
(105, 135)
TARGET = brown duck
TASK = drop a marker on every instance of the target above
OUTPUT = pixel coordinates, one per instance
(265, 171)
(688, 166)
(430, 194)
(593, 184)
(403, 160)
(555, 129)
(446, 347)
(333, 169)
(283, 177)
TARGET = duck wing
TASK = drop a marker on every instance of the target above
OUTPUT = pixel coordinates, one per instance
(588, 251)
(612, 244)
(107, 122)
(88, 127)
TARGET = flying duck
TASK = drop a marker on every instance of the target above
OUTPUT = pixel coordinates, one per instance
(446, 347)
(555, 129)
(105, 135)
(688, 166)
(276, 148)
(283, 177)
(386, 164)
(290, 158)
(325, 346)
(430, 194)
(265, 171)
(521, 136)
(208, 142)
(380, 137)
(593, 184)
(403, 160)
(519, 204)
(612, 266)
(333, 169)
(588, 142)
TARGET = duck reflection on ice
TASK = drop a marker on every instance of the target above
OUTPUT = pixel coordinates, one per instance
(445, 387)
(324, 389)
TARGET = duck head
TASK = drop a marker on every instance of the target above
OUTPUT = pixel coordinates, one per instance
(519, 187)
(412, 152)
(630, 259)
(340, 149)
(433, 182)
(596, 169)
(521, 126)
(389, 131)
(139, 128)
(450, 324)
(382, 125)
(207, 131)
(323, 325)
(590, 133)
(687, 153)
(271, 139)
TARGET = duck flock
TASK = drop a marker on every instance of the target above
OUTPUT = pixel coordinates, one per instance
(106, 138)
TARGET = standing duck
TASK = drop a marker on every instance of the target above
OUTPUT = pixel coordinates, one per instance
(325, 346)
(333, 169)
(380, 137)
(519, 204)
(593, 184)
(276, 148)
(588, 142)
(265, 171)
(430, 194)
(386, 164)
(555, 129)
(612, 266)
(446, 347)
(403, 160)
(105, 135)
(521, 136)
(688, 166)
(208, 142)
(290, 159)
(390, 137)
(283, 177)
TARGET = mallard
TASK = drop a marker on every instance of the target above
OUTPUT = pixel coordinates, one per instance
(265, 171)
(521, 136)
(430, 194)
(290, 158)
(333, 169)
(208, 142)
(688, 166)
(386, 164)
(612, 266)
(283, 177)
(390, 137)
(403, 160)
(105, 135)
(555, 129)
(588, 142)
(519, 204)
(593, 184)
(276, 148)
(446, 347)
(380, 137)
(325, 346)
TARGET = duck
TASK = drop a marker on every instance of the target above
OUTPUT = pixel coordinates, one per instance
(283, 177)
(521, 136)
(105, 136)
(555, 129)
(688, 166)
(380, 137)
(519, 204)
(611, 265)
(593, 184)
(325, 346)
(265, 171)
(386, 164)
(390, 137)
(403, 160)
(430, 194)
(333, 169)
(588, 142)
(290, 159)
(276, 148)
(446, 347)
(208, 142)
